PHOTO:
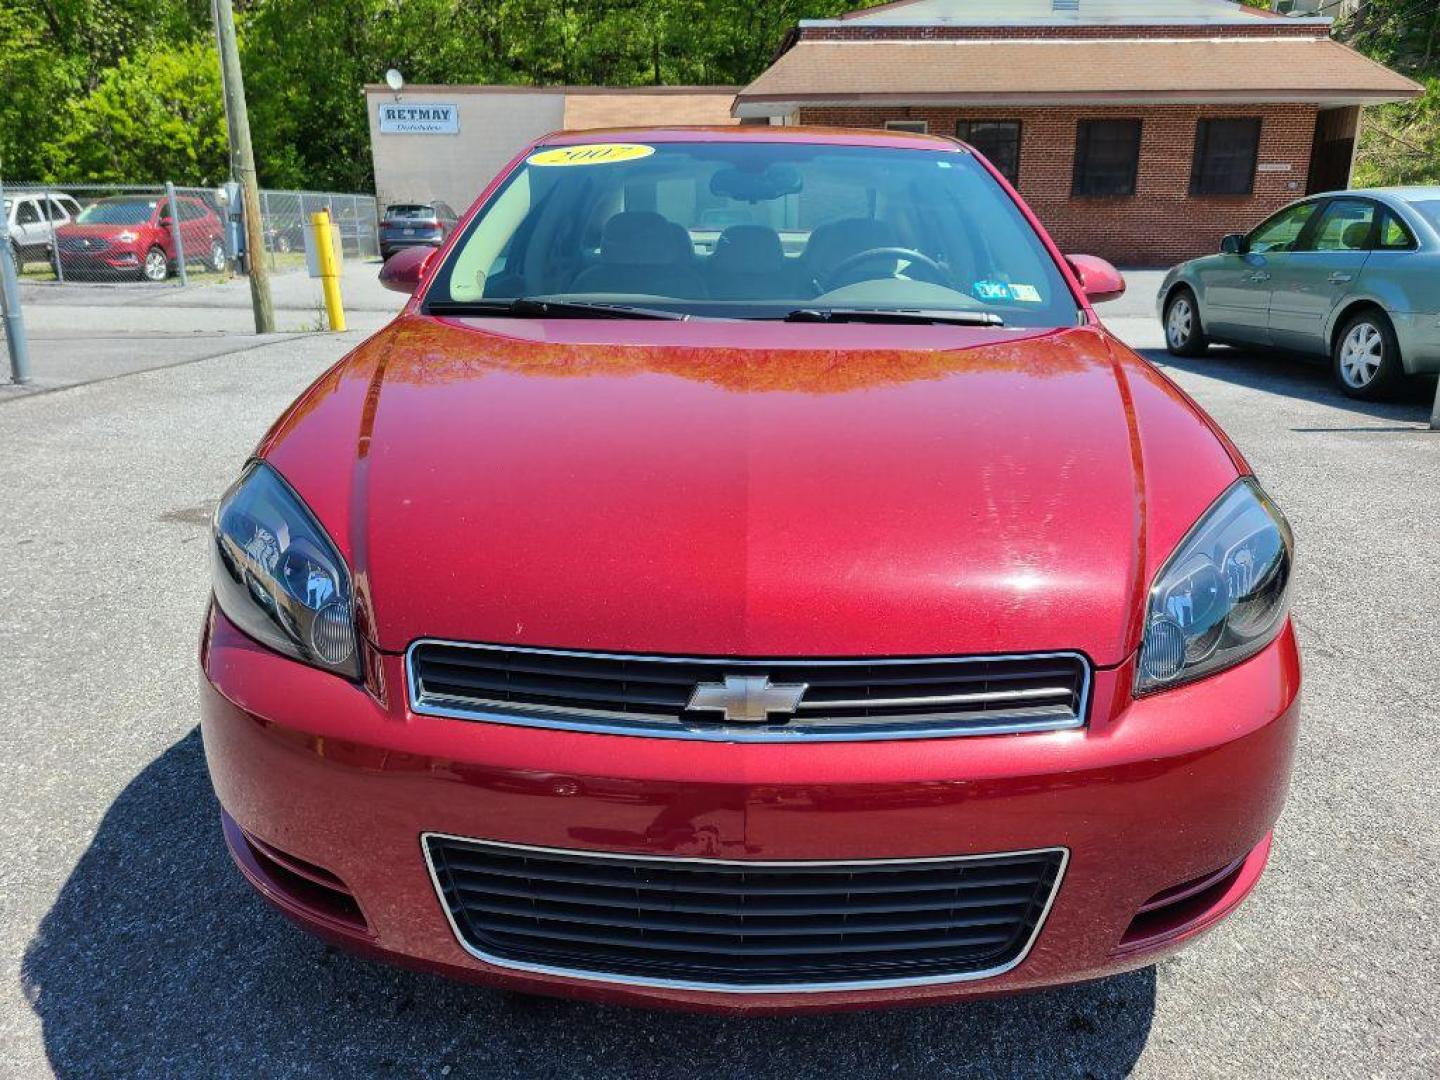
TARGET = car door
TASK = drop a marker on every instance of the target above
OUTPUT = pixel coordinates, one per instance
(1394, 272)
(1236, 301)
(195, 230)
(1320, 273)
(29, 230)
(164, 230)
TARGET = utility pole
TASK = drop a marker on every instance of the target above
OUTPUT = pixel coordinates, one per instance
(242, 166)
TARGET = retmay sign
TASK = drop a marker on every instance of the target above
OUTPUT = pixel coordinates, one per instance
(398, 119)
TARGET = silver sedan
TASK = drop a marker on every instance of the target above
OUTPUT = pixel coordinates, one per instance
(1351, 275)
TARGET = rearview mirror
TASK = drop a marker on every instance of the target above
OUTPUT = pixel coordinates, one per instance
(407, 269)
(1234, 244)
(1098, 279)
(754, 186)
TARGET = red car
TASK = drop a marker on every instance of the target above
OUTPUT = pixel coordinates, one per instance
(132, 236)
(829, 613)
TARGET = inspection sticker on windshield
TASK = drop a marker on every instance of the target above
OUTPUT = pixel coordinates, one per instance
(992, 290)
(593, 154)
(1027, 294)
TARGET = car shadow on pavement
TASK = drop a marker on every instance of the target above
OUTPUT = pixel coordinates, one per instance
(158, 960)
(1307, 379)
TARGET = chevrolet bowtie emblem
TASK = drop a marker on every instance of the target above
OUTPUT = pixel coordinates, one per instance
(747, 699)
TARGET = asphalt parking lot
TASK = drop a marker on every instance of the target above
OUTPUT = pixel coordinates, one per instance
(130, 946)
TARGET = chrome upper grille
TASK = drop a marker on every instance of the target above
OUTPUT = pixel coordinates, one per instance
(743, 926)
(83, 243)
(843, 699)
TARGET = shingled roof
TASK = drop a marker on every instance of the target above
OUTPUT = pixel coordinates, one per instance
(1060, 70)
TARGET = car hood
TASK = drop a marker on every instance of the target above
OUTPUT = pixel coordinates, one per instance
(751, 489)
(103, 230)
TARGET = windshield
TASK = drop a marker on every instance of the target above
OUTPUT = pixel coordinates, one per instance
(127, 212)
(757, 230)
(401, 213)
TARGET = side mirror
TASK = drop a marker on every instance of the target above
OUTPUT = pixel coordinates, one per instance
(1234, 244)
(1099, 280)
(407, 269)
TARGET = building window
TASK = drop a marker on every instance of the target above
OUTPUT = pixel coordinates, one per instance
(998, 140)
(919, 127)
(1225, 153)
(1107, 157)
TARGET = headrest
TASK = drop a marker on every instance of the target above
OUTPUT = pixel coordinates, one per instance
(1355, 235)
(682, 248)
(639, 238)
(749, 249)
(838, 240)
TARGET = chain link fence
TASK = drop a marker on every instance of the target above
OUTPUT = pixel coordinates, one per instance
(163, 233)
(285, 216)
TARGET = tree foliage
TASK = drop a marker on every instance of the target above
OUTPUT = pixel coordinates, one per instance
(156, 115)
(1399, 144)
(127, 89)
(307, 60)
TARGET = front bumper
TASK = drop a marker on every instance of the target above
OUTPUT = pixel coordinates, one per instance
(322, 782)
(116, 259)
(391, 244)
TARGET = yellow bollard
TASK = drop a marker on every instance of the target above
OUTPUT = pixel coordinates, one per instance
(320, 234)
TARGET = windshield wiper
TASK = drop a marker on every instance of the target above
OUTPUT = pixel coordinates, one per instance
(908, 315)
(529, 307)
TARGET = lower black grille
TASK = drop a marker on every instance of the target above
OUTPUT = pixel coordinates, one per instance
(745, 926)
(838, 699)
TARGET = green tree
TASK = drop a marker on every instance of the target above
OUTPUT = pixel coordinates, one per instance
(54, 53)
(125, 89)
(1400, 143)
(157, 116)
(306, 61)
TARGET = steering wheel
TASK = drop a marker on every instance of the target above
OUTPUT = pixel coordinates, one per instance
(937, 275)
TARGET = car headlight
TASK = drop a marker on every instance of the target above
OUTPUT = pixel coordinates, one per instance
(279, 578)
(1222, 596)
(127, 237)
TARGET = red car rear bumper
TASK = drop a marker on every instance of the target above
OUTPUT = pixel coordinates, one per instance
(1165, 806)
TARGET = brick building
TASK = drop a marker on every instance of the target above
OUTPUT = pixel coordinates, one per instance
(1139, 130)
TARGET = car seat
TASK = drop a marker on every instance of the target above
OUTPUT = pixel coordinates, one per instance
(1355, 236)
(749, 263)
(835, 241)
(643, 252)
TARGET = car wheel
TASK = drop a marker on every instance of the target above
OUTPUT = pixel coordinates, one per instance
(156, 266)
(282, 245)
(16, 259)
(1366, 357)
(217, 256)
(1183, 334)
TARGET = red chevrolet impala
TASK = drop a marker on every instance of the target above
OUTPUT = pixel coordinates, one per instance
(748, 576)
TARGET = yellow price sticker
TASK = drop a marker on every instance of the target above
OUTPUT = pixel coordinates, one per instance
(594, 154)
